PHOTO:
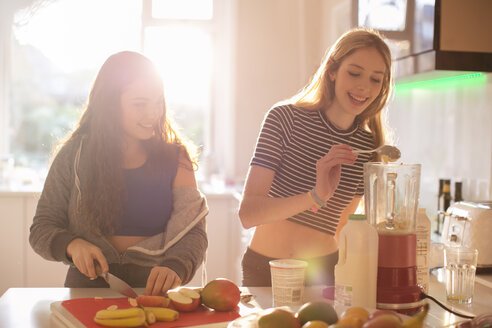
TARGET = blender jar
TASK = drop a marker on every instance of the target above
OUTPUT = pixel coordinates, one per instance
(391, 193)
(391, 196)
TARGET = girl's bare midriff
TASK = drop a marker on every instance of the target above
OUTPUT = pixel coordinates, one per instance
(285, 239)
(121, 243)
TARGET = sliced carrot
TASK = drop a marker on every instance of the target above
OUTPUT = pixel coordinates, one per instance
(153, 301)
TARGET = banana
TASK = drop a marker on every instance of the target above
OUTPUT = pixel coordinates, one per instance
(120, 314)
(417, 321)
(134, 317)
(163, 314)
(150, 317)
(123, 322)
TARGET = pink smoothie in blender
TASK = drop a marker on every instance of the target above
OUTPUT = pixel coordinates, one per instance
(391, 202)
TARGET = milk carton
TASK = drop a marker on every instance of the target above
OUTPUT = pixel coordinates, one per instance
(357, 267)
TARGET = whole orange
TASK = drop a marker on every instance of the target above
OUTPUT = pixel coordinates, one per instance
(356, 311)
(315, 324)
(351, 321)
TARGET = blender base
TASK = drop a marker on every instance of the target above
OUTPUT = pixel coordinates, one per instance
(403, 308)
(397, 287)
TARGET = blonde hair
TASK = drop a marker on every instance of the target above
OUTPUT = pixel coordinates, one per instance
(318, 94)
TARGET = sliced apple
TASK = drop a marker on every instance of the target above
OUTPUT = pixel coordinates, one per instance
(184, 299)
(194, 294)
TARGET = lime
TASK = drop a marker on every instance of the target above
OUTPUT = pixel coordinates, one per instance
(317, 310)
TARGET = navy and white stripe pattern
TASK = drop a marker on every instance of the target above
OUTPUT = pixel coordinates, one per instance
(290, 143)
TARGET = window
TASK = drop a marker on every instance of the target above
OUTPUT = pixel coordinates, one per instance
(383, 15)
(183, 9)
(57, 48)
(178, 37)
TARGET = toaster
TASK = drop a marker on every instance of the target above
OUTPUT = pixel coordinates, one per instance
(470, 224)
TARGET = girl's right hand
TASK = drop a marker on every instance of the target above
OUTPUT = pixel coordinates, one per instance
(329, 169)
(83, 255)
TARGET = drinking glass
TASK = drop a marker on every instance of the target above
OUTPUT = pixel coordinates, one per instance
(460, 264)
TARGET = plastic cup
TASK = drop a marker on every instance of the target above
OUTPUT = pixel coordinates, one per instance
(460, 264)
(288, 277)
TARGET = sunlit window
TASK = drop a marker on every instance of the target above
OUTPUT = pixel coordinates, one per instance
(383, 14)
(187, 77)
(182, 9)
(74, 35)
(58, 48)
(56, 52)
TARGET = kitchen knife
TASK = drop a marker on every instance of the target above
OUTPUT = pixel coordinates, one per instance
(116, 283)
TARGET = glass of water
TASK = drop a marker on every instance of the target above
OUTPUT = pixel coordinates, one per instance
(460, 264)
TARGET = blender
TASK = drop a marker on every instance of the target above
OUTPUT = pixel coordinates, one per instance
(391, 193)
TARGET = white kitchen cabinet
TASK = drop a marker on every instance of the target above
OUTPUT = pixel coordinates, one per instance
(40, 272)
(12, 243)
(225, 245)
(22, 267)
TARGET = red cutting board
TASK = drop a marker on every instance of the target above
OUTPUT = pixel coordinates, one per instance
(84, 310)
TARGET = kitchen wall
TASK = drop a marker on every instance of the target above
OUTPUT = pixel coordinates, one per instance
(447, 127)
(279, 45)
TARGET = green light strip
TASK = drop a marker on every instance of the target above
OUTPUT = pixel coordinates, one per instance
(444, 82)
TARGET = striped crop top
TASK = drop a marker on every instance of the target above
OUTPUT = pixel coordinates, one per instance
(148, 203)
(290, 143)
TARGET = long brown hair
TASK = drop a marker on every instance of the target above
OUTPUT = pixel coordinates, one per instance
(320, 91)
(99, 129)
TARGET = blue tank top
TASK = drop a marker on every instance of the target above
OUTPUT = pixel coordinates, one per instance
(148, 202)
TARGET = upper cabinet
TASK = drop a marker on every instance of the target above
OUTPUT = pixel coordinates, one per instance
(429, 36)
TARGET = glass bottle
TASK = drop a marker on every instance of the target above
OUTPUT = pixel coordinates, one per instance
(446, 195)
(457, 192)
(444, 201)
(439, 209)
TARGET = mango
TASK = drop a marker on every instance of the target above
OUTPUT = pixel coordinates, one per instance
(277, 318)
(221, 294)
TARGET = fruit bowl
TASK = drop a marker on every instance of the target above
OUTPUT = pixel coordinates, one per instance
(251, 320)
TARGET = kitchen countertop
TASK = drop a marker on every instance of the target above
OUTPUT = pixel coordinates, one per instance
(482, 300)
(30, 307)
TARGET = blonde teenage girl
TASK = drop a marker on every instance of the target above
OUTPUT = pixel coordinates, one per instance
(304, 179)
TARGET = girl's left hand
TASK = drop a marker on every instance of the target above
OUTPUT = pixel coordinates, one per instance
(160, 280)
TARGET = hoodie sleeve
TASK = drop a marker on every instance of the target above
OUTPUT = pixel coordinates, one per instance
(186, 255)
(49, 234)
(183, 245)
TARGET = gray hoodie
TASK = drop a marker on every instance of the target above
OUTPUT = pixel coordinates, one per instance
(181, 247)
